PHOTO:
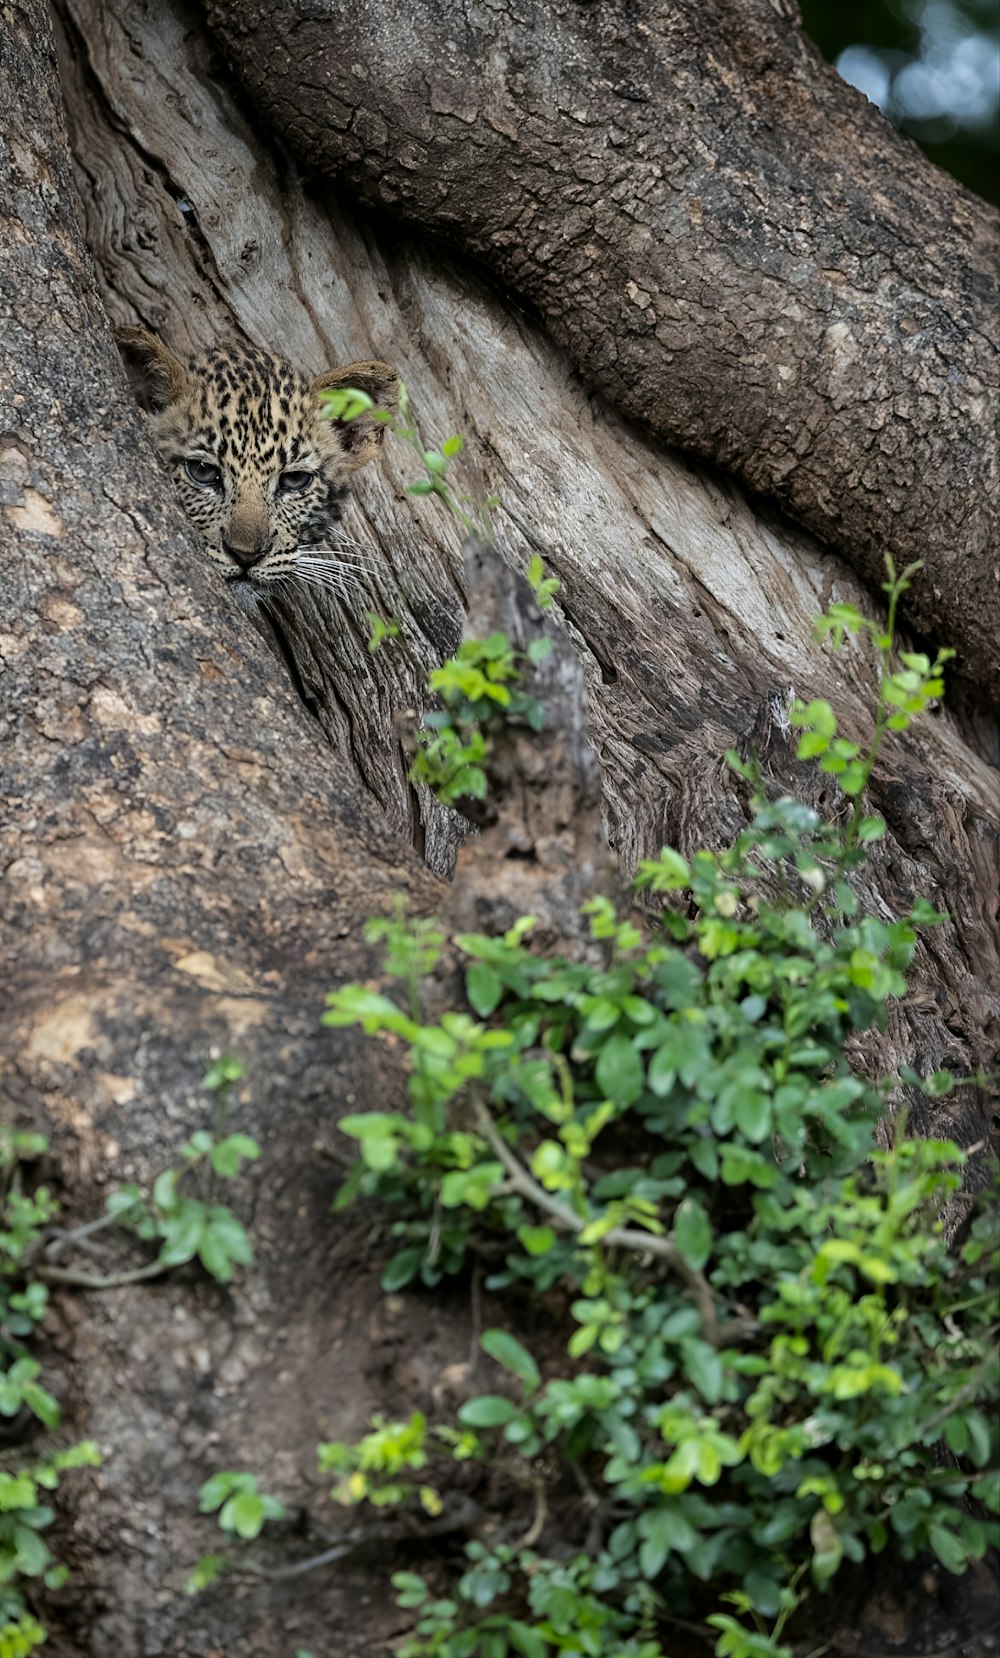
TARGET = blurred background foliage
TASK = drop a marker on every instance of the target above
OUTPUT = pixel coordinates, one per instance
(931, 66)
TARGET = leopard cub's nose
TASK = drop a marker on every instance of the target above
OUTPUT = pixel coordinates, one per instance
(245, 557)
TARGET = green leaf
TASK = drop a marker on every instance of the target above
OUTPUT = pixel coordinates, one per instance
(182, 1233)
(488, 1411)
(206, 1572)
(978, 1431)
(470, 1187)
(619, 1071)
(662, 1074)
(412, 1590)
(871, 829)
(31, 1554)
(227, 1156)
(484, 989)
(662, 1530)
(403, 1268)
(705, 1157)
(828, 1548)
(244, 1514)
(536, 1240)
(41, 1402)
(752, 1114)
(215, 1490)
(764, 1591)
(507, 1350)
(165, 1190)
(343, 403)
(692, 1233)
(225, 1071)
(703, 1367)
(224, 1244)
(528, 1642)
(950, 1550)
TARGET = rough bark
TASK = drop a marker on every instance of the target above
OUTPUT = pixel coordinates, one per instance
(735, 247)
(192, 855)
(184, 868)
(693, 611)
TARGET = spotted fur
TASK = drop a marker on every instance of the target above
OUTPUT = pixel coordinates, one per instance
(261, 471)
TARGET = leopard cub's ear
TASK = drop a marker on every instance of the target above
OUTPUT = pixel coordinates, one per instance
(361, 438)
(156, 376)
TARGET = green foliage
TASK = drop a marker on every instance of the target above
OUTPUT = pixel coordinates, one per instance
(785, 1366)
(482, 679)
(380, 631)
(19, 1634)
(24, 1516)
(904, 693)
(25, 1212)
(242, 1508)
(24, 1554)
(480, 683)
(188, 1226)
(471, 513)
(544, 587)
(379, 1468)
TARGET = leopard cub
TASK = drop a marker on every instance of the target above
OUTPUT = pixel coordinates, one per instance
(261, 471)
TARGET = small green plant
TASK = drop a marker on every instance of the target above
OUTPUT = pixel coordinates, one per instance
(189, 1226)
(379, 631)
(185, 1226)
(381, 1467)
(242, 1510)
(480, 683)
(25, 1213)
(774, 1364)
(542, 586)
(904, 693)
(472, 514)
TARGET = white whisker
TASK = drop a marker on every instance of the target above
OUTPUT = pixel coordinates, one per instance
(320, 566)
(334, 585)
(336, 548)
(304, 561)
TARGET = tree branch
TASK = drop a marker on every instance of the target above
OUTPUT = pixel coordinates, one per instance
(641, 1243)
(760, 270)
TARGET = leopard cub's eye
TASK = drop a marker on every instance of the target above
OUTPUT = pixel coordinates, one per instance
(293, 483)
(203, 473)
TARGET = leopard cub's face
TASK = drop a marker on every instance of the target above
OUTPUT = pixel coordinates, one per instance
(260, 469)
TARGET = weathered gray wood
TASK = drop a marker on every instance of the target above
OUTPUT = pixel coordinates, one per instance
(733, 244)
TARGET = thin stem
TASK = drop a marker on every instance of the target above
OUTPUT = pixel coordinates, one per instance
(642, 1243)
(541, 1514)
(93, 1281)
(961, 1398)
(63, 1240)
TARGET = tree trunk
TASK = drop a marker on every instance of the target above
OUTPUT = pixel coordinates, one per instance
(194, 853)
(735, 247)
